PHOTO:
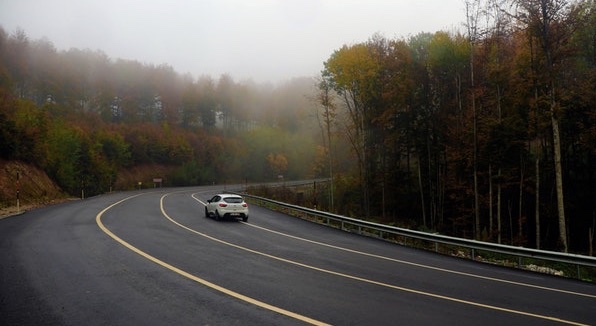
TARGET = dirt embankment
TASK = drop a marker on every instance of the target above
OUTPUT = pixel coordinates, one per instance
(35, 188)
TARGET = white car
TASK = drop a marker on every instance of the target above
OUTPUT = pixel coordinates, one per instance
(227, 206)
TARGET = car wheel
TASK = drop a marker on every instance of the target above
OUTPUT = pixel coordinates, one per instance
(217, 217)
(206, 213)
(245, 218)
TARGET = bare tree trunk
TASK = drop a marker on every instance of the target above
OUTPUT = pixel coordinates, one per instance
(476, 201)
(432, 207)
(441, 175)
(521, 196)
(509, 204)
(365, 164)
(499, 207)
(590, 242)
(421, 194)
(537, 203)
(591, 237)
(330, 155)
(490, 201)
(559, 180)
(472, 14)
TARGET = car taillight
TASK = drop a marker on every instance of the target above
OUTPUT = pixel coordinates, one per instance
(223, 205)
(245, 205)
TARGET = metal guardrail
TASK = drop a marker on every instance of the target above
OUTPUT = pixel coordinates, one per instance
(388, 232)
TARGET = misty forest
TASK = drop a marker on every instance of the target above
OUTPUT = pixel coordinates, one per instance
(488, 132)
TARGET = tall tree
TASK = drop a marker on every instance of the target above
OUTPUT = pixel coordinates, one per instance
(353, 72)
(473, 12)
(325, 99)
(17, 57)
(548, 22)
(450, 146)
(422, 129)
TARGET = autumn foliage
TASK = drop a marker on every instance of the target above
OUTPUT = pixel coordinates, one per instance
(488, 133)
(97, 124)
(465, 133)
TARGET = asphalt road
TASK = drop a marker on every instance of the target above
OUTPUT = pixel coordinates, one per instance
(152, 258)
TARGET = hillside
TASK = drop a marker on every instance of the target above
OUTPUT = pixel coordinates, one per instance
(35, 187)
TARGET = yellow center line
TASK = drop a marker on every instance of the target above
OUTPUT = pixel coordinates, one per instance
(193, 277)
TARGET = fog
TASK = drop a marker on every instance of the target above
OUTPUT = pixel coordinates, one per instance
(262, 40)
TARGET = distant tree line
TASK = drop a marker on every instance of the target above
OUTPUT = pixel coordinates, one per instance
(487, 134)
(85, 118)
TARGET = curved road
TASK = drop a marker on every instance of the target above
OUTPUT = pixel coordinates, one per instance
(152, 258)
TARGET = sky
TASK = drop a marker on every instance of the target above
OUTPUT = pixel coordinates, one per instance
(259, 40)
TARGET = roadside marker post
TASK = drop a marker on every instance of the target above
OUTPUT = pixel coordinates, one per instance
(18, 191)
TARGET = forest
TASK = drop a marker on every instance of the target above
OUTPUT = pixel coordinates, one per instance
(486, 133)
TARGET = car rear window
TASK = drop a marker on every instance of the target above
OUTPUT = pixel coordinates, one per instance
(233, 200)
